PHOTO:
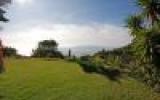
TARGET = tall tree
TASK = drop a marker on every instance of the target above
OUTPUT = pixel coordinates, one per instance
(69, 53)
(142, 25)
(145, 28)
(47, 48)
(151, 9)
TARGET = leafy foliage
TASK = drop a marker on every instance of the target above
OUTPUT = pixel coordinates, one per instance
(9, 52)
(151, 9)
(47, 48)
(141, 57)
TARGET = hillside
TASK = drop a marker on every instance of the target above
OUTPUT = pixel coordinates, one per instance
(39, 79)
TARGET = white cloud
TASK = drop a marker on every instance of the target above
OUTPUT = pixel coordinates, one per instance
(67, 35)
(23, 2)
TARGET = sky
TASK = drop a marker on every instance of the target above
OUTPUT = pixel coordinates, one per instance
(70, 22)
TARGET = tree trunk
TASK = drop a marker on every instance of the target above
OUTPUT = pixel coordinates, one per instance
(1, 58)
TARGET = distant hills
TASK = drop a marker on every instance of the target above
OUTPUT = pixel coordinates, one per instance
(84, 50)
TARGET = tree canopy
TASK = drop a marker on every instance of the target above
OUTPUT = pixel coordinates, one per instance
(47, 48)
(9, 51)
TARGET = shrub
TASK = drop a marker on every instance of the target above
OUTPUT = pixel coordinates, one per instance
(87, 66)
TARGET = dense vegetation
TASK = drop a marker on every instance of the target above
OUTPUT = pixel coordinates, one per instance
(141, 58)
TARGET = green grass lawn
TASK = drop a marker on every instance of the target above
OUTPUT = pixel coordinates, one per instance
(38, 79)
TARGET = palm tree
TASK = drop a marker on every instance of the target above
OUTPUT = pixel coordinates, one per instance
(139, 23)
(134, 23)
(150, 10)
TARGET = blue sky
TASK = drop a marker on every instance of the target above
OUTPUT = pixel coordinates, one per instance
(73, 11)
(67, 21)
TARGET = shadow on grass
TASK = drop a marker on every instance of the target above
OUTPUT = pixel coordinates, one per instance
(2, 68)
(1, 97)
(110, 73)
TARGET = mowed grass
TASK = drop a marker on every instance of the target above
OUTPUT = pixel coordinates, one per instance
(39, 79)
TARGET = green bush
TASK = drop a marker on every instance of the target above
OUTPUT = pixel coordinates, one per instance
(87, 66)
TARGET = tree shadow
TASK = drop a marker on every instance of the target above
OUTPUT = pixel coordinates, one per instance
(111, 73)
(1, 97)
(2, 69)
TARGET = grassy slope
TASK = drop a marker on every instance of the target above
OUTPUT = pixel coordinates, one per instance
(60, 80)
